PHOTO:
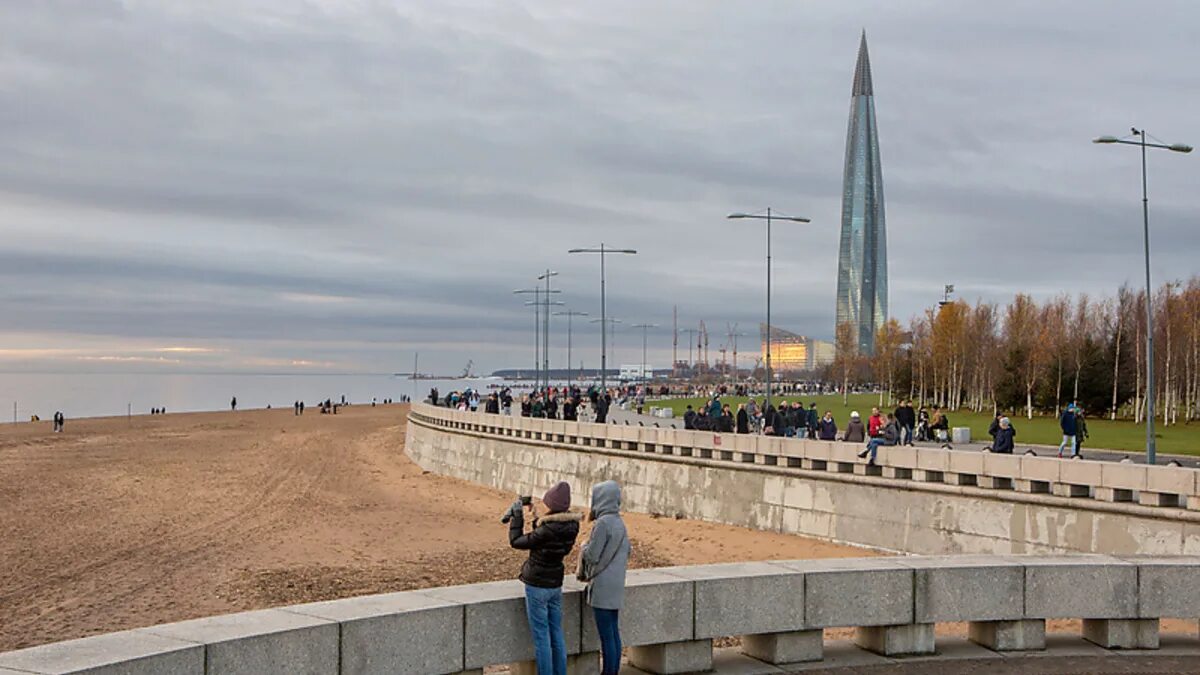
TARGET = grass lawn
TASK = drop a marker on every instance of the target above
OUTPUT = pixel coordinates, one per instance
(1102, 433)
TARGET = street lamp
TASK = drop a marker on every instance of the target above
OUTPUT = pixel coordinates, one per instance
(768, 216)
(611, 325)
(537, 322)
(569, 313)
(546, 276)
(603, 340)
(645, 327)
(1174, 147)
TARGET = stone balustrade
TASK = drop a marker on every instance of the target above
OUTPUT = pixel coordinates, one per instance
(672, 616)
(1166, 487)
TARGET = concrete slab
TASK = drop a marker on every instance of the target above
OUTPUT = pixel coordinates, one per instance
(744, 598)
(1171, 480)
(263, 642)
(968, 590)
(1083, 587)
(395, 632)
(658, 608)
(1168, 587)
(495, 628)
(131, 652)
(856, 592)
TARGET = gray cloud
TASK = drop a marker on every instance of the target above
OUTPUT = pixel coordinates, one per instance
(349, 182)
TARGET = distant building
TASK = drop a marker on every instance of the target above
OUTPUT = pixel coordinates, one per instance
(791, 352)
(862, 289)
(636, 372)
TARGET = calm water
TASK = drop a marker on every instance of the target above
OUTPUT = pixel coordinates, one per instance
(95, 395)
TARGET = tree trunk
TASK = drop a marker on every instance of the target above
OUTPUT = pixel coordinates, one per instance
(1116, 367)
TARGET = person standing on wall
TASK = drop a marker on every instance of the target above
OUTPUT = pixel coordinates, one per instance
(602, 565)
(548, 542)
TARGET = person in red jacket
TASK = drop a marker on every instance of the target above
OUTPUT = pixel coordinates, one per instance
(874, 423)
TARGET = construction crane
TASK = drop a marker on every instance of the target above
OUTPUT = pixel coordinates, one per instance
(466, 373)
(703, 341)
(733, 336)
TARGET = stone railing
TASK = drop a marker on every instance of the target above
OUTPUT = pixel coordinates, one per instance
(672, 615)
(1113, 482)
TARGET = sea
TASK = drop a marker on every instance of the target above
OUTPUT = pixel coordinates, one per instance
(23, 395)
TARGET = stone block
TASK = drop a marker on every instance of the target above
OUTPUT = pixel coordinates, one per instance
(863, 469)
(674, 657)
(1122, 633)
(926, 476)
(744, 598)
(1002, 465)
(905, 639)
(994, 482)
(967, 588)
(819, 450)
(1168, 587)
(1043, 469)
(658, 609)
(1161, 499)
(960, 435)
(495, 628)
(745, 443)
(1171, 480)
(897, 473)
(856, 592)
(1115, 475)
(898, 456)
(966, 462)
(1009, 636)
(1082, 587)
(1107, 494)
(1071, 490)
(131, 652)
(263, 642)
(961, 478)
(791, 647)
(395, 632)
(934, 459)
(845, 452)
(1080, 472)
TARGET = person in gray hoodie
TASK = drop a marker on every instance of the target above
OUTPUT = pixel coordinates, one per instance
(602, 565)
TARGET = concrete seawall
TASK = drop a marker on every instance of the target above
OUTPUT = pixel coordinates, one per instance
(927, 502)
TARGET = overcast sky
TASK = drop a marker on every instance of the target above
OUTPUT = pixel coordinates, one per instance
(331, 186)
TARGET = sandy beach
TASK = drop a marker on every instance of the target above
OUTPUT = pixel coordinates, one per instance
(118, 523)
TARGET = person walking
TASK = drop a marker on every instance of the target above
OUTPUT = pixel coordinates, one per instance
(602, 565)
(59, 421)
(1081, 431)
(550, 540)
(1070, 428)
(233, 404)
(855, 431)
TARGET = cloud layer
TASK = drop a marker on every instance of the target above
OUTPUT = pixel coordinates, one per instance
(334, 185)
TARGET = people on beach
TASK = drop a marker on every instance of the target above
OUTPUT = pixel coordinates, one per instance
(60, 420)
(233, 404)
(602, 565)
(549, 541)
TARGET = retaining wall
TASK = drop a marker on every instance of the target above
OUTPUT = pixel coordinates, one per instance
(673, 614)
(918, 500)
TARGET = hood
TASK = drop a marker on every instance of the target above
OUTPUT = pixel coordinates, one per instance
(606, 498)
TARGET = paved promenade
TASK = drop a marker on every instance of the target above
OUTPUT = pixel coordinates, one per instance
(976, 445)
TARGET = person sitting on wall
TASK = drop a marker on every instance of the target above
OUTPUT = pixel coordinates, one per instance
(551, 539)
(889, 435)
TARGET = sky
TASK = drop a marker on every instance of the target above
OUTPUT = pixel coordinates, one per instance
(321, 186)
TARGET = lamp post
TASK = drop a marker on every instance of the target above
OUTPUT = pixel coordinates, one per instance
(602, 250)
(645, 327)
(569, 313)
(1150, 392)
(768, 216)
(606, 324)
(537, 323)
(546, 276)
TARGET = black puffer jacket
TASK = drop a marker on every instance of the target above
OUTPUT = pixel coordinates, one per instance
(549, 542)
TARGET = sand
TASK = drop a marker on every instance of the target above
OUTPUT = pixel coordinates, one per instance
(115, 524)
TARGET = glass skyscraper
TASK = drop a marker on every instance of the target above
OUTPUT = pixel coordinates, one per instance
(862, 290)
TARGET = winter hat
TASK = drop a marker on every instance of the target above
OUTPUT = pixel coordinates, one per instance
(558, 498)
(854, 415)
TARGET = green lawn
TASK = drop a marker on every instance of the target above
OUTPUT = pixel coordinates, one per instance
(1119, 435)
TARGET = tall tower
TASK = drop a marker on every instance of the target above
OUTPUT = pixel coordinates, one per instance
(862, 290)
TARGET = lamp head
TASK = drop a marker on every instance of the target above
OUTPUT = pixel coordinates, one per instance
(1180, 147)
(1105, 139)
(738, 215)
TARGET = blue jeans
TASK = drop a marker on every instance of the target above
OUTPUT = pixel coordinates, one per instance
(873, 447)
(1068, 439)
(543, 607)
(610, 640)
(907, 434)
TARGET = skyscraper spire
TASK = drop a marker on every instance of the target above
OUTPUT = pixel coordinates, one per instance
(862, 292)
(862, 70)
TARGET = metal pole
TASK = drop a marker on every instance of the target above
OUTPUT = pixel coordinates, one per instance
(644, 329)
(568, 351)
(537, 339)
(1150, 392)
(603, 329)
(768, 307)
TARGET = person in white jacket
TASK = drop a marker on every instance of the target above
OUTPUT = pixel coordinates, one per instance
(602, 563)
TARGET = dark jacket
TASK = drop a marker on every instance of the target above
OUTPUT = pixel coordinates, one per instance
(743, 421)
(550, 541)
(689, 419)
(827, 430)
(890, 433)
(906, 416)
(1068, 424)
(725, 423)
(855, 432)
(994, 427)
(1004, 440)
(813, 418)
(601, 410)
